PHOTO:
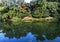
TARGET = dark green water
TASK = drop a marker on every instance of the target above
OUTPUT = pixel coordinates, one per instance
(49, 29)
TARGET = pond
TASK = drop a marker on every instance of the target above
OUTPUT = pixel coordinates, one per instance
(30, 32)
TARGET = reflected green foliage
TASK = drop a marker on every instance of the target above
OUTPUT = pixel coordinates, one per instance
(51, 30)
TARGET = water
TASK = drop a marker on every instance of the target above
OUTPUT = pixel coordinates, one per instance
(30, 32)
(28, 38)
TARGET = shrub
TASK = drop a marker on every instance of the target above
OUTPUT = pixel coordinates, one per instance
(16, 20)
(52, 7)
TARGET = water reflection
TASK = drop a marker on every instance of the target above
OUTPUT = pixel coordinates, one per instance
(51, 30)
(39, 31)
(28, 38)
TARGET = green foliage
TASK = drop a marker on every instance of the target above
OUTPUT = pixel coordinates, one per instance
(51, 30)
(52, 7)
(2, 8)
(11, 13)
(16, 19)
(38, 9)
(37, 14)
(4, 16)
(23, 13)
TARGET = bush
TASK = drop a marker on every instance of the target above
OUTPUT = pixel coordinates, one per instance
(39, 9)
(16, 19)
(52, 7)
(4, 16)
(24, 12)
(2, 8)
(37, 14)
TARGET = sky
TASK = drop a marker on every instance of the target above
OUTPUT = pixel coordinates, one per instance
(28, 1)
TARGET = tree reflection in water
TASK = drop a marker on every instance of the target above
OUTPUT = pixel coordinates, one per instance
(51, 30)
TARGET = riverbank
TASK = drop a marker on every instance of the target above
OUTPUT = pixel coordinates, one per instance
(30, 19)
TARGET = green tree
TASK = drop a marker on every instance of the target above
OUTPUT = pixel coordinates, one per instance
(38, 9)
(52, 8)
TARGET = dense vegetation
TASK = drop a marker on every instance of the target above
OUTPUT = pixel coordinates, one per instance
(38, 9)
(11, 16)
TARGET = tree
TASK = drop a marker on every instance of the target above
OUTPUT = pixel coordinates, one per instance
(52, 7)
(38, 8)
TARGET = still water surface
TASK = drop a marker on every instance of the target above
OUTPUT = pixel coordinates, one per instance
(30, 32)
(28, 38)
